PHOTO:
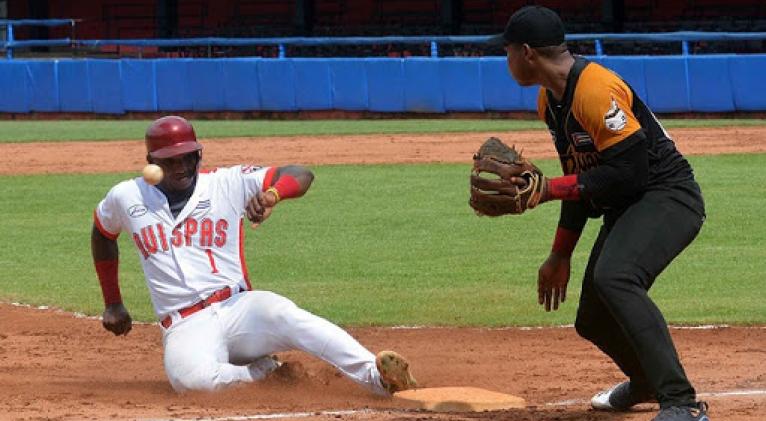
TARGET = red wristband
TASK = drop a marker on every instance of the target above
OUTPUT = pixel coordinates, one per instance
(287, 186)
(269, 177)
(565, 241)
(107, 277)
(564, 188)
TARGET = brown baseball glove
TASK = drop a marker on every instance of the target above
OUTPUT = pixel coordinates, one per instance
(519, 185)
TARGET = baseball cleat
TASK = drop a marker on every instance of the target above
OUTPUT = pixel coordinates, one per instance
(289, 371)
(698, 412)
(263, 366)
(394, 372)
(619, 397)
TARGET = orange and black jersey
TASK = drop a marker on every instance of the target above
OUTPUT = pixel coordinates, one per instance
(606, 135)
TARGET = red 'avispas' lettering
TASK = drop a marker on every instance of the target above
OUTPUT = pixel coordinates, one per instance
(177, 237)
(220, 232)
(161, 234)
(190, 228)
(150, 241)
(210, 234)
(140, 245)
(206, 233)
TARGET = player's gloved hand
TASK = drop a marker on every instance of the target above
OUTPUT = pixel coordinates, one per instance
(514, 183)
(552, 281)
(260, 206)
(116, 319)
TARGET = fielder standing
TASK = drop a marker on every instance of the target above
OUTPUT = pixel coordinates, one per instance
(188, 232)
(618, 162)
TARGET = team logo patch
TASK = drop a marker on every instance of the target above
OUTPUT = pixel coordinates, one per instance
(247, 169)
(137, 211)
(581, 139)
(615, 118)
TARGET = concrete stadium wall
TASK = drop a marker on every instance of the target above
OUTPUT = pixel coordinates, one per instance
(713, 83)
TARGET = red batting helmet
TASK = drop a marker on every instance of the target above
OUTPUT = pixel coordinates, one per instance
(171, 136)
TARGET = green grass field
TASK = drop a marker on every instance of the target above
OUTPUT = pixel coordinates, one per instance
(396, 245)
(64, 130)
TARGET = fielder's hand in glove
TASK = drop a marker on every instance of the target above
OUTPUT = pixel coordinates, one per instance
(519, 184)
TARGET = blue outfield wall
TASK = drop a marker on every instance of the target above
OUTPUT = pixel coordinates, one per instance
(697, 83)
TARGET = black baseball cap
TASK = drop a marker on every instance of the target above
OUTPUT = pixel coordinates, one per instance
(537, 26)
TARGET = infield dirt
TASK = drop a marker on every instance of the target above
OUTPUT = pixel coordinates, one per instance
(125, 156)
(54, 365)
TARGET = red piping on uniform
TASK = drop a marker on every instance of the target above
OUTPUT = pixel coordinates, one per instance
(242, 260)
(101, 228)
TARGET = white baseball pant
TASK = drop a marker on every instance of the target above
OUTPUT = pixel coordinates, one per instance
(231, 342)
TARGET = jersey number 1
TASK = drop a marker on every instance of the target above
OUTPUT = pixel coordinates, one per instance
(212, 261)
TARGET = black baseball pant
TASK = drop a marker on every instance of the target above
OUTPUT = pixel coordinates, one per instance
(616, 313)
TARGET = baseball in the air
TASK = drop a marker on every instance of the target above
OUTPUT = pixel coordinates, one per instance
(152, 174)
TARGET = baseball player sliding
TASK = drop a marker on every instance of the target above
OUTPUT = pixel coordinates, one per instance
(188, 231)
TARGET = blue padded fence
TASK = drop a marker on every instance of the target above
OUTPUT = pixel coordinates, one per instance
(694, 83)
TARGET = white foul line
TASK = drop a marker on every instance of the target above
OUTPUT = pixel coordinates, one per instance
(734, 393)
(284, 415)
(755, 392)
(274, 416)
(418, 327)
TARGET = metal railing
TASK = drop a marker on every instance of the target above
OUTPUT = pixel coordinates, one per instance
(684, 38)
(10, 43)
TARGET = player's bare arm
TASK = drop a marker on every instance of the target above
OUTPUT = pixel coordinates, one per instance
(116, 318)
(288, 182)
(554, 274)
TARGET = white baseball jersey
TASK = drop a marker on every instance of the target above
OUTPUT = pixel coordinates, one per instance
(188, 257)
